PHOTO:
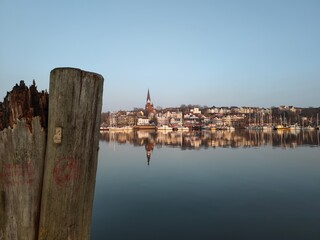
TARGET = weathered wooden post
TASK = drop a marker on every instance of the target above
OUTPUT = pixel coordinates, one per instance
(22, 151)
(75, 101)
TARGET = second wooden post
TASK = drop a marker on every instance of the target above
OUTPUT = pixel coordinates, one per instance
(75, 101)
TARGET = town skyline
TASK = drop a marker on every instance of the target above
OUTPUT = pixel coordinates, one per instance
(193, 117)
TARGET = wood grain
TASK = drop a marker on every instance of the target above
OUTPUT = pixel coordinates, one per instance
(75, 102)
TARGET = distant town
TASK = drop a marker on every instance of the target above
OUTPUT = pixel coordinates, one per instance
(194, 117)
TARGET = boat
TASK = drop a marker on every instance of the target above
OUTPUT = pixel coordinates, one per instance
(267, 128)
(283, 124)
(254, 127)
(127, 128)
(103, 129)
(181, 129)
(294, 127)
(308, 128)
(164, 128)
(281, 127)
(145, 127)
(114, 129)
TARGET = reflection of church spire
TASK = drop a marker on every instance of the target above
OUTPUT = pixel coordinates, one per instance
(149, 148)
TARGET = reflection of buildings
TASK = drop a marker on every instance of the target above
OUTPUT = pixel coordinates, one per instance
(207, 139)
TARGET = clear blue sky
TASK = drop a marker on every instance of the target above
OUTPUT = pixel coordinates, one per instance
(222, 53)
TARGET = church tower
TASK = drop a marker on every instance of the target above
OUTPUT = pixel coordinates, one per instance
(149, 105)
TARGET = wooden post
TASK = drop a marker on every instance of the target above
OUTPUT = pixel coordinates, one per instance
(75, 101)
(22, 152)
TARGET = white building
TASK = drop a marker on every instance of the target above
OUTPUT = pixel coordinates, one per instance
(143, 121)
(195, 111)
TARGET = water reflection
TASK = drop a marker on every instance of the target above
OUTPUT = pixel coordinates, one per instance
(232, 185)
(149, 148)
(207, 139)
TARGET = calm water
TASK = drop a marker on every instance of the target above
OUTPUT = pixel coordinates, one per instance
(222, 185)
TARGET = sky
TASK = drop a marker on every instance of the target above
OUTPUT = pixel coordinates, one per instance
(215, 53)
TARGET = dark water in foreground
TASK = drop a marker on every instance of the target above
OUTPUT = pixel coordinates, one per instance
(223, 185)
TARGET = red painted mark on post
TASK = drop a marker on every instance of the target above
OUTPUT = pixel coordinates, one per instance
(66, 170)
(17, 173)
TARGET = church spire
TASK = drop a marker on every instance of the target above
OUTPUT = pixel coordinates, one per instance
(148, 97)
(149, 105)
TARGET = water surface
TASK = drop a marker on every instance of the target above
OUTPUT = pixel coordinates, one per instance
(203, 185)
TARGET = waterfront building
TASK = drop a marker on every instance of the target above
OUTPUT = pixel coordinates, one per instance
(162, 119)
(143, 121)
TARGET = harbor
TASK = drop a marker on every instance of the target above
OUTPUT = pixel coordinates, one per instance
(200, 183)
